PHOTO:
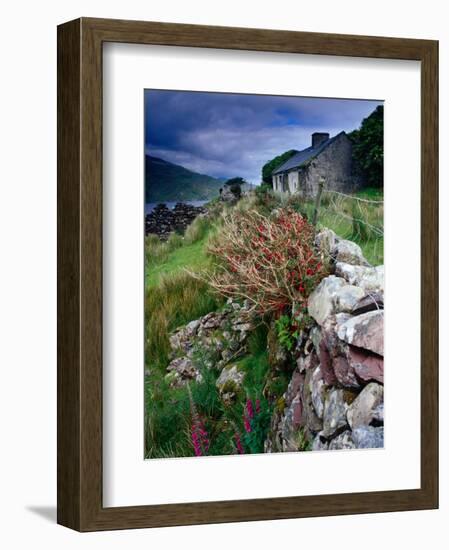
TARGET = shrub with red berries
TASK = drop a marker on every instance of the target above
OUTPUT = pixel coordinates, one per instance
(270, 261)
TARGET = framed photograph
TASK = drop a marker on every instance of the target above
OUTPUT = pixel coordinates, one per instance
(247, 274)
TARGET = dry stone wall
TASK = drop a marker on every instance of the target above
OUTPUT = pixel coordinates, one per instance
(215, 341)
(162, 220)
(335, 396)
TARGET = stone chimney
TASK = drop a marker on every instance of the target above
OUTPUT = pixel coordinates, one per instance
(318, 138)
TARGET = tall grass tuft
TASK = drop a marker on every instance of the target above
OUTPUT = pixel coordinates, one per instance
(175, 301)
(360, 229)
(197, 230)
(155, 250)
(357, 220)
(174, 241)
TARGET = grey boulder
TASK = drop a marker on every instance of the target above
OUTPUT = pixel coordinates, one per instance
(368, 437)
(365, 407)
(364, 331)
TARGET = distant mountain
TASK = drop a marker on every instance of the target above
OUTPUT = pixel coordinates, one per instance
(166, 182)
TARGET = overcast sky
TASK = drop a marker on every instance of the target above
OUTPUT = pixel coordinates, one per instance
(228, 135)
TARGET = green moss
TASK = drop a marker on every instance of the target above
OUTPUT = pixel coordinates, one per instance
(170, 377)
(229, 387)
(302, 443)
(280, 405)
(276, 385)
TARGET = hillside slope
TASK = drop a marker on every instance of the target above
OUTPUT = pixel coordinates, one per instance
(165, 181)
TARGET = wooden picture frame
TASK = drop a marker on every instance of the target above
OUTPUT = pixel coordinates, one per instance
(80, 504)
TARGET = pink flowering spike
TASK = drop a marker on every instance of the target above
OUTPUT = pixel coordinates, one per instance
(249, 408)
(196, 444)
(199, 436)
(247, 424)
(238, 444)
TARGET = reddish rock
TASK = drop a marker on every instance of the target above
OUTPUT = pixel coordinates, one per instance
(289, 425)
(294, 387)
(311, 419)
(326, 365)
(345, 372)
(367, 366)
(331, 339)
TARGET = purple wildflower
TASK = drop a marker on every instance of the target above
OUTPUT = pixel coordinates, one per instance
(196, 443)
(238, 443)
(198, 433)
(199, 437)
(247, 424)
(249, 409)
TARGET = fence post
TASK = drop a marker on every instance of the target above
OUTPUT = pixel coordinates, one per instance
(317, 201)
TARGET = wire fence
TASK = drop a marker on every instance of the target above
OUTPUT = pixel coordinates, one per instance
(352, 197)
(357, 210)
(356, 218)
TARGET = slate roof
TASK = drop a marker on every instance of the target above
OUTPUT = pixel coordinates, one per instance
(303, 156)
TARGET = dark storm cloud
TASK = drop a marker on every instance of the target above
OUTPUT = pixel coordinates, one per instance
(228, 135)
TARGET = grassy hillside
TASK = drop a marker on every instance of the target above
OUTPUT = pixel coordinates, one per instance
(165, 181)
(173, 297)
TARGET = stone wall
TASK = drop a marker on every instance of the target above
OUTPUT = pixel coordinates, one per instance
(217, 340)
(162, 221)
(335, 396)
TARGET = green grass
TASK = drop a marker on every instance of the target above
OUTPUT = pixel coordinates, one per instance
(192, 256)
(372, 245)
(357, 221)
(168, 416)
(174, 301)
(172, 296)
(168, 410)
(371, 193)
(178, 252)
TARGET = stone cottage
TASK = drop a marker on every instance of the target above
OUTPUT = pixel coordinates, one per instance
(328, 158)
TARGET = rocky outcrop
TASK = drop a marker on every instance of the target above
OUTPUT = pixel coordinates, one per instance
(230, 194)
(340, 250)
(370, 279)
(162, 220)
(229, 383)
(212, 341)
(335, 397)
